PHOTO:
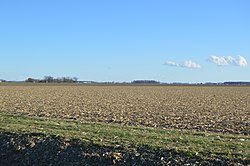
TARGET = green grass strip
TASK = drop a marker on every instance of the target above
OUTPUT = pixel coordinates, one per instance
(201, 144)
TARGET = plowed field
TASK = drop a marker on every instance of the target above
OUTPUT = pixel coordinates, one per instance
(203, 108)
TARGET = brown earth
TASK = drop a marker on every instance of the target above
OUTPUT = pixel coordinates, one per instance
(203, 108)
(38, 150)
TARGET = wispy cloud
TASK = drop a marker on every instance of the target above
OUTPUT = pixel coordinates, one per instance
(229, 60)
(242, 61)
(190, 64)
(185, 64)
(171, 63)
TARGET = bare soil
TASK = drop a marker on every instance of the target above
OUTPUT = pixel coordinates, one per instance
(204, 108)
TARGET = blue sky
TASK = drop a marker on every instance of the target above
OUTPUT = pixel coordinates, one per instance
(111, 40)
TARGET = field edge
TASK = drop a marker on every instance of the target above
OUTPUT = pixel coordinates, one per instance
(188, 146)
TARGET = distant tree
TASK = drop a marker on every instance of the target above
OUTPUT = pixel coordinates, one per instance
(75, 79)
(237, 83)
(65, 79)
(31, 80)
(48, 79)
(145, 82)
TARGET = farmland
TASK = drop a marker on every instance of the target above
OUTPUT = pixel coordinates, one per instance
(218, 109)
(204, 110)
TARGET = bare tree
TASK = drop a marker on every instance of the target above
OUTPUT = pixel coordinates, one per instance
(75, 79)
(48, 79)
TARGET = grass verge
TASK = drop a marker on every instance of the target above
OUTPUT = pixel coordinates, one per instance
(201, 145)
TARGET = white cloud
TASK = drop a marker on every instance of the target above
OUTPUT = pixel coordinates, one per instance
(190, 64)
(242, 61)
(170, 63)
(229, 60)
(185, 64)
(219, 60)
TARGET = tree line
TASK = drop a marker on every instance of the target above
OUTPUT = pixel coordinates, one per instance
(145, 82)
(50, 79)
